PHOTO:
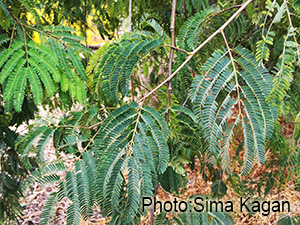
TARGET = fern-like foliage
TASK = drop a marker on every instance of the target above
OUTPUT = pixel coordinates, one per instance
(189, 34)
(73, 75)
(186, 139)
(110, 67)
(12, 173)
(262, 49)
(131, 150)
(41, 67)
(191, 217)
(65, 134)
(29, 5)
(285, 67)
(228, 83)
(77, 186)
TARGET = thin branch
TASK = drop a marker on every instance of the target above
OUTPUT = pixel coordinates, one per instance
(231, 7)
(85, 34)
(292, 27)
(263, 218)
(176, 48)
(172, 29)
(187, 98)
(132, 85)
(96, 124)
(155, 96)
(197, 49)
(235, 74)
(152, 206)
(184, 11)
(290, 213)
(129, 15)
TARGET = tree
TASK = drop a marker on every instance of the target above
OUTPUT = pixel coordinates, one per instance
(230, 68)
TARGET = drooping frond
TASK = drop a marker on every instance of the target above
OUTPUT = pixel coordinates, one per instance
(73, 73)
(190, 31)
(65, 134)
(111, 66)
(3, 38)
(186, 139)
(214, 216)
(77, 186)
(236, 28)
(35, 66)
(262, 49)
(25, 63)
(243, 84)
(25, 142)
(285, 67)
(48, 212)
(12, 173)
(147, 22)
(46, 174)
(134, 138)
(32, 9)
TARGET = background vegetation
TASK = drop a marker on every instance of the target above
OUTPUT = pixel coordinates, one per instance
(212, 80)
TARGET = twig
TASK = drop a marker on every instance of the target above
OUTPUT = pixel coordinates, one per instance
(198, 48)
(129, 15)
(156, 97)
(292, 27)
(132, 86)
(293, 190)
(231, 7)
(185, 11)
(96, 124)
(152, 206)
(176, 48)
(187, 98)
(185, 101)
(172, 29)
(85, 34)
(287, 214)
(263, 218)
(235, 74)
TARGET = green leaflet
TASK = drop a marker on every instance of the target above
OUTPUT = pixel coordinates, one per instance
(253, 84)
(19, 95)
(262, 50)
(83, 189)
(43, 75)
(134, 137)
(44, 139)
(64, 136)
(5, 56)
(50, 63)
(31, 8)
(195, 218)
(10, 89)
(26, 141)
(48, 212)
(73, 73)
(16, 71)
(284, 69)
(133, 199)
(42, 68)
(76, 186)
(113, 64)
(77, 64)
(189, 33)
(73, 211)
(36, 85)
